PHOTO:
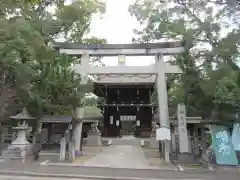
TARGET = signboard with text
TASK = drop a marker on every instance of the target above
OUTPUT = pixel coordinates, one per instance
(163, 133)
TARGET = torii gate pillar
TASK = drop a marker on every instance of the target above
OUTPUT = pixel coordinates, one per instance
(162, 100)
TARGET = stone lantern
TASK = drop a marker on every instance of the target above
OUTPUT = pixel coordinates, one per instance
(20, 148)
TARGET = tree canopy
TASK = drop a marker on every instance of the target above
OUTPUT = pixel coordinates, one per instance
(32, 73)
(211, 32)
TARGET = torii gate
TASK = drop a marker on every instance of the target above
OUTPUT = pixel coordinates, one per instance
(159, 68)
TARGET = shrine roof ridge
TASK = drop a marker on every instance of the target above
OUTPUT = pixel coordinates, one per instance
(173, 44)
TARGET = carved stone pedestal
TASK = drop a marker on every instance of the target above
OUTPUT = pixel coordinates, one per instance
(20, 149)
(94, 139)
(94, 136)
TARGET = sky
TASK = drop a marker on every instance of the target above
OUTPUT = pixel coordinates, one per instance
(117, 26)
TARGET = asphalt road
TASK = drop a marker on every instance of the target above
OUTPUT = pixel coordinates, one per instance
(10, 177)
(18, 168)
(6, 177)
(41, 178)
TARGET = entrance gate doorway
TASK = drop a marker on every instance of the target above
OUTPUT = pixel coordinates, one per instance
(112, 80)
(128, 124)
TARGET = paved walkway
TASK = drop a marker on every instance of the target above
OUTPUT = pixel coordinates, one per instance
(120, 156)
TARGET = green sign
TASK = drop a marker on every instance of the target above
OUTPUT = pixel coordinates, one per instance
(222, 146)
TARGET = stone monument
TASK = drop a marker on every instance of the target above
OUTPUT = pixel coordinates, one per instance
(94, 136)
(20, 148)
(184, 156)
(153, 141)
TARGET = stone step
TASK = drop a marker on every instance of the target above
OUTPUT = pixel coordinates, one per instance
(124, 142)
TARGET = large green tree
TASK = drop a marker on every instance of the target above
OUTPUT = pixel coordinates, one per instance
(34, 74)
(54, 85)
(211, 34)
(16, 53)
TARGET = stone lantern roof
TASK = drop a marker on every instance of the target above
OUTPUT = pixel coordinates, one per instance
(24, 115)
(92, 112)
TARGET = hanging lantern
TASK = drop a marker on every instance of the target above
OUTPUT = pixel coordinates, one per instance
(117, 123)
(137, 108)
(138, 123)
(111, 119)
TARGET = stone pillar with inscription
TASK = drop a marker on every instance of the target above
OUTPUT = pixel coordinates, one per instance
(184, 156)
(182, 129)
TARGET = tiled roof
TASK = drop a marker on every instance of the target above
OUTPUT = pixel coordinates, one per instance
(89, 114)
(55, 119)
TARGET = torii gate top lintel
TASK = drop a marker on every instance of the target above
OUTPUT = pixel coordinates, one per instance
(143, 49)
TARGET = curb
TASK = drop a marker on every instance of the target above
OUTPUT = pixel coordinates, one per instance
(73, 176)
(47, 163)
(219, 168)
